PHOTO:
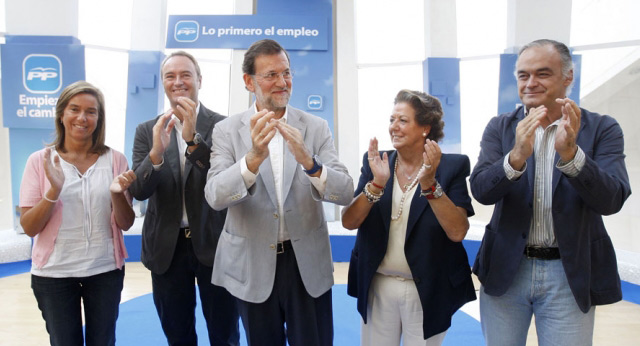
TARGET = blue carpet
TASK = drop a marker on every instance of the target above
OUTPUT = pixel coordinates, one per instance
(630, 292)
(138, 324)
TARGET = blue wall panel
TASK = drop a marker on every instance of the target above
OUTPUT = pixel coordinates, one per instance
(442, 80)
(144, 93)
(313, 69)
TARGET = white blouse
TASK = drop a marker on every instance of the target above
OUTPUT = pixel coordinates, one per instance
(84, 245)
(394, 262)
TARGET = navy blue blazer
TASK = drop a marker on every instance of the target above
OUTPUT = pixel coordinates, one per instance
(601, 187)
(439, 266)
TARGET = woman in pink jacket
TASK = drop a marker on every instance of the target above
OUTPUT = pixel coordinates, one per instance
(74, 202)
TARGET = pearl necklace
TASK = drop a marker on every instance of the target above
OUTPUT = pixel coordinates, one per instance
(407, 187)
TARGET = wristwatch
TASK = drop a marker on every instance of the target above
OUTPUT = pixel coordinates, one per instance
(197, 139)
(317, 164)
(433, 192)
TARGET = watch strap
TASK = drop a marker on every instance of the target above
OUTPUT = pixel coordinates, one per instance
(316, 166)
(432, 192)
(197, 139)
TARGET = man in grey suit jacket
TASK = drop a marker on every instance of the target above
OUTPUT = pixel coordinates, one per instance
(180, 231)
(272, 166)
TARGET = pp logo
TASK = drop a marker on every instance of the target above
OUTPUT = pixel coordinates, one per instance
(186, 31)
(314, 102)
(42, 73)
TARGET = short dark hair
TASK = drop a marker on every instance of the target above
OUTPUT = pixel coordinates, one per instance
(428, 111)
(98, 136)
(258, 48)
(561, 48)
(184, 54)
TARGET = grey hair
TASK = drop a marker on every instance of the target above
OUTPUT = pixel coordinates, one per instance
(565, 56)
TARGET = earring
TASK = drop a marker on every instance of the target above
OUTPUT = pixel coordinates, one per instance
(424, 134)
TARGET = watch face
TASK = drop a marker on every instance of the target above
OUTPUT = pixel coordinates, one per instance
(438, 192)
(197, 139)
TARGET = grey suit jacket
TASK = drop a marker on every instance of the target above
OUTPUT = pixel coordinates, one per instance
(245, 261)
(164, 190)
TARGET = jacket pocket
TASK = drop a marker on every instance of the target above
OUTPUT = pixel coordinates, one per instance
(234, 256)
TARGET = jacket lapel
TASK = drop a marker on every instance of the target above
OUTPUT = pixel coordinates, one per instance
(386, 200)
(266, 172)
(418, 206)
(556, 172)
(290, 163)
(529, 175)
(173, 159)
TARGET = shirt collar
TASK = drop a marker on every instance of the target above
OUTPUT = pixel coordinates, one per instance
(555, 123)
(284, 117)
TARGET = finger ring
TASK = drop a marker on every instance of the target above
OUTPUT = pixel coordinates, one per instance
(370, 158)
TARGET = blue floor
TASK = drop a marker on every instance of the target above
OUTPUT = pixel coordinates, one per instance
(139, 325)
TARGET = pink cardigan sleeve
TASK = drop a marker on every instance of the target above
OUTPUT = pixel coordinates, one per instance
(34, 185)
(120, 165)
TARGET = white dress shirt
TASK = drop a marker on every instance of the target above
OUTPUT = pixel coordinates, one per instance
(276, 155)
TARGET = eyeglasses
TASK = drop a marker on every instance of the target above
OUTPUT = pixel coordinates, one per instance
(273, 76)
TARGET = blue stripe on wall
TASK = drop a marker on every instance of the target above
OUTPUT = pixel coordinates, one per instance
(14, 268)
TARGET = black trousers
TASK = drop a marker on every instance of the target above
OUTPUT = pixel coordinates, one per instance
(289, 313)
(174, 294)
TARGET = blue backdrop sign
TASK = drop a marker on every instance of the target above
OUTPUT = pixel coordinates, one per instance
(240, 31)
(32, 78)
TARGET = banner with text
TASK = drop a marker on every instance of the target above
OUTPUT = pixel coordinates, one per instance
(33, 76)
(240, 31)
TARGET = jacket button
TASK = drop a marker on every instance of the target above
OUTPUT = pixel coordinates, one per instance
(416, 280)
(524, 236)
(272, 246)
(275, 215)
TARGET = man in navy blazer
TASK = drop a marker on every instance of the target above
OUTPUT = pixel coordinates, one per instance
(552, 170)
(181, 231)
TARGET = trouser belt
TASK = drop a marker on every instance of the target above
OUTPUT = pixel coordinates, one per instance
(543, 253)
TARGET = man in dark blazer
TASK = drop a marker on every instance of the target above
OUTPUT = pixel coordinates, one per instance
(180, 231)
(552, 170)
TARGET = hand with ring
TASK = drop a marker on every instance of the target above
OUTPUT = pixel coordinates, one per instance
(430, 161)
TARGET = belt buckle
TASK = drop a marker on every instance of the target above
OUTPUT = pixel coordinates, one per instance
(187, 232)
(279, 248)
(530, 252)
